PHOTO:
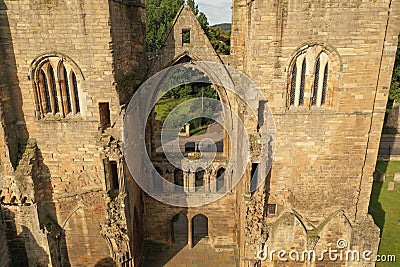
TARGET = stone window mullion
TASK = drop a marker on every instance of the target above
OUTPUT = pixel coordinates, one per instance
(298, 82)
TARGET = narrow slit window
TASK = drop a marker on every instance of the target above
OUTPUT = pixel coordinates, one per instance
(67, 92)
(76, 96)
(54, 89)
(325, 85)
(185, 36)
(293, 85)
(316, 83)
(46, 91)
(302, 82)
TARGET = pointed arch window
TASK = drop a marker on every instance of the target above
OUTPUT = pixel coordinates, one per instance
(298, 82)
(320, 80)
(57, 87)
(309, 78)
(293, 85)
(302, 82)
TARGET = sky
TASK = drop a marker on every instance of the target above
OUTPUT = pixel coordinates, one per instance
(217, 11)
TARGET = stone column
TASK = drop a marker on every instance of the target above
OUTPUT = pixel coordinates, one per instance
(192, 182)
(213, 183)
(186, 181)
(190, 233)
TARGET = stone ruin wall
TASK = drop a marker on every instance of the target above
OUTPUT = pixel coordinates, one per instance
(325, 157)
(69, 184)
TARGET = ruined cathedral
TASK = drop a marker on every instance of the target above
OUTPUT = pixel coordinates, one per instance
(70, 68)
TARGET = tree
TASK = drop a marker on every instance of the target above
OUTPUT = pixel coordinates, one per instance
(394, 93)
(159, 17)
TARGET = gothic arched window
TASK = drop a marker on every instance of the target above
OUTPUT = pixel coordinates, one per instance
(309, 78)
(56, 86)
(320, 80)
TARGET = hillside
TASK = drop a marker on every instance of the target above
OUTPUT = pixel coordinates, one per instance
(223, 26)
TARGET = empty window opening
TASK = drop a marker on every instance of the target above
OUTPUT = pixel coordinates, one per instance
(178, 180)
(179, 233)
(316, 82)
(254, 176)
(199, 179)
(43, 83)
(303, 82)
(105, 121)
(324, 85)
(293, 85)
(221, 179)
(320, 81)
(185, 36)
(54, 90)
(114, 175)
(200, 229)
(76, 96)
(67, 92)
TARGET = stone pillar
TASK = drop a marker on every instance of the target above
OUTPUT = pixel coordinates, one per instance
(192, 182)
(213, 183)
(190, 233)
(187, 129)
(186, 181)
(207, 181)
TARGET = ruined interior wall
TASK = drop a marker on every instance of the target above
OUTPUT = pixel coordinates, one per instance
(221, 214)
(129, 67)
(128, 46)
(325, 157)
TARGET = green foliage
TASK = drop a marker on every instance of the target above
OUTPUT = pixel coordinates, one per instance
(184, 92)
(394, 93)
(159, 17)
(220, 40)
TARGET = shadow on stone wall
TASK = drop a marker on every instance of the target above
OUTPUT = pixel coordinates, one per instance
(15, 242)
(13, 120)
(47, 212)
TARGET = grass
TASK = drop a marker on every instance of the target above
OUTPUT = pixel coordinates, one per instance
(199, 131)
(165, 106)
(386, 211)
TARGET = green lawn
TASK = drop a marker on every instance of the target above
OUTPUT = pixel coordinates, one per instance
(386, 211)
(165, 106)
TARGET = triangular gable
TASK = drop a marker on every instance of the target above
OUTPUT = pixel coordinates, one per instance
(199, 47)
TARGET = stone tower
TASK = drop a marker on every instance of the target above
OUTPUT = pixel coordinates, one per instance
(68, 68)
(325, 68)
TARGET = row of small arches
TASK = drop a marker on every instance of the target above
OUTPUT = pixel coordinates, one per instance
(200, 180)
